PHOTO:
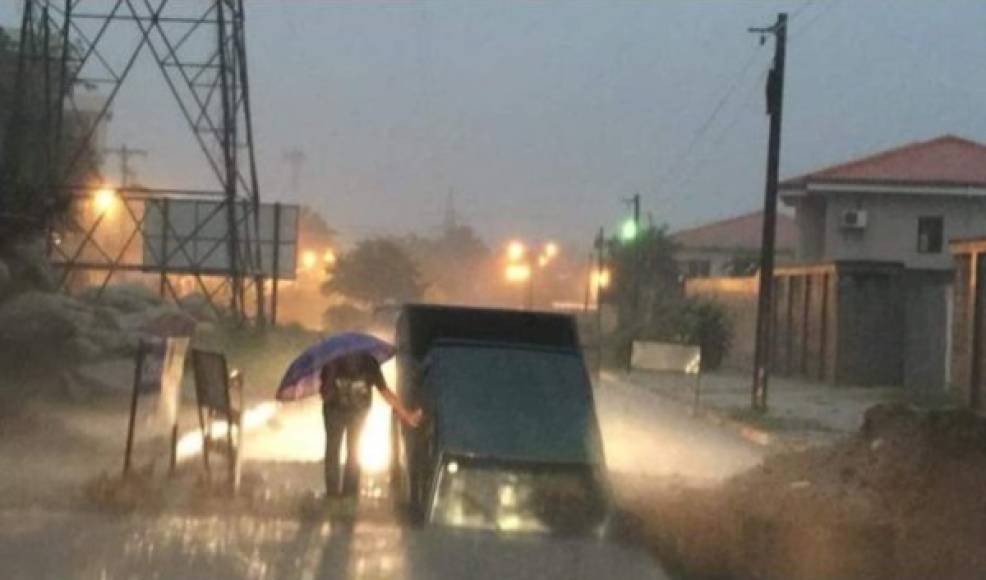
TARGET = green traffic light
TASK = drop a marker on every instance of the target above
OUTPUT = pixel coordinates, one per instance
(628, 231)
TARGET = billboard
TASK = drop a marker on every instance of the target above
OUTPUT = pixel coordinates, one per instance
(192, 236)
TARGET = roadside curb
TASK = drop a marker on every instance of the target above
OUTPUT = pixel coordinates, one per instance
(751, 433)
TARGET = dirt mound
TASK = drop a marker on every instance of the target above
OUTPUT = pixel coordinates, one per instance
(903, 498)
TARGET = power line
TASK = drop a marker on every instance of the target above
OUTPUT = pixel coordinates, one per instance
(731, 88)
(683, 169)
(798, 12)
(825, 9)
(704, 127)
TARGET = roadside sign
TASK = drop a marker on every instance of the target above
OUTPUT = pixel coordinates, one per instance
(159, 368)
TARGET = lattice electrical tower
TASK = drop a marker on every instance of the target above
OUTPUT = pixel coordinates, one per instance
(75, 48)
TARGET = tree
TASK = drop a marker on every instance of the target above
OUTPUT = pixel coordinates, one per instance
(375, 272)
(695, 321)
(454, 263)
(313, 230)
(35, 161)
(643, 266)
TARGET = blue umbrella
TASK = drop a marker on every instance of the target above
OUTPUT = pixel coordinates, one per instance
(302, 377)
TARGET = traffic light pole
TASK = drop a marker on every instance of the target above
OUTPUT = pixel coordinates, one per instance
(636, 255)
(600, 266)
(635, 283)
(775, 101)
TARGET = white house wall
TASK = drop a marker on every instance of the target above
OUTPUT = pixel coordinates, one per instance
(892, 222)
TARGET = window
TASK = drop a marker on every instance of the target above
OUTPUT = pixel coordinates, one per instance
(698, 268)
(930, 230)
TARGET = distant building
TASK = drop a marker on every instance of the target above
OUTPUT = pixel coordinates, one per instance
(731, 247)
(901, 205)
(868, 302)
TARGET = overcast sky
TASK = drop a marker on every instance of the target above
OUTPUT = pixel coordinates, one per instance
(542, 116)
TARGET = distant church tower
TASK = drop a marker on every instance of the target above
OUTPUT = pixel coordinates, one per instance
(451, 222)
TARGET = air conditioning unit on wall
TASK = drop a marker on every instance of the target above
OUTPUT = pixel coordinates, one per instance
(853, 219)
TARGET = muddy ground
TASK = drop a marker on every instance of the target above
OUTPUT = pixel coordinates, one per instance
(902, 499)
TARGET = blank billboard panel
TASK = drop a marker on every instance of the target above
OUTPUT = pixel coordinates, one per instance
(191, 236)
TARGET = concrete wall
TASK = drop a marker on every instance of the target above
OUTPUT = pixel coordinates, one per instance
(739, 297)
(962, 325)
(845, 323)
(721, 259)
(805, 323)
(926, 297)
(811, 221)
(968, 355)
(871, 328)
(891, 231)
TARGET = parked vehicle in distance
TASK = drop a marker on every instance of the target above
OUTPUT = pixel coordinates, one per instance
(512, 441)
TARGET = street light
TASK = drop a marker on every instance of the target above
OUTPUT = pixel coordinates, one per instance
(550, 250)
(329, 257)
(104, 200)
(309, 259)
(518, 272)
(600, 278)
(521, 267)
(516, 251)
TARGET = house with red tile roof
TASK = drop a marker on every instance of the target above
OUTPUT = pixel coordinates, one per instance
(900, 205)
(731, 246)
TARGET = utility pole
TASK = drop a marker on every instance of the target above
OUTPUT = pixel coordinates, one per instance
(529, 291)
(775, 102)
(451, 221)
(634, 203)
(600, 267)
(590, 279)
(125, 153)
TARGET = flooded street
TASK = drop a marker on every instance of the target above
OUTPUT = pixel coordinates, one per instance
(283, 531)
(329, 311)
(648, 437)
(89, 545)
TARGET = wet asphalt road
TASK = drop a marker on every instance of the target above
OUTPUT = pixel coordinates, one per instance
(644, 438)
(88, 545)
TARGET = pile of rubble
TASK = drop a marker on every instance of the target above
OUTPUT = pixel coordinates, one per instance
(76, 330)
(903, 498)
(43, 330)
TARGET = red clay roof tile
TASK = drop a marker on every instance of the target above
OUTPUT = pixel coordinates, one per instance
(741, 232)
(948, 160)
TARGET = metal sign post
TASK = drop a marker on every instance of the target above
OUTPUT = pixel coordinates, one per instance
(159, 367)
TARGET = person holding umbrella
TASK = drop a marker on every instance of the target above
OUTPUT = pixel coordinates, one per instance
(346, 387)
(344, 369)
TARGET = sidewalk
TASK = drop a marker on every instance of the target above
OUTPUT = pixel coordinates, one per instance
(801, 414)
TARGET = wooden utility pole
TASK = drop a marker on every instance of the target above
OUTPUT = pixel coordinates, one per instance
(636, 255)
(634, 203)
(600, 268)
(775, 101)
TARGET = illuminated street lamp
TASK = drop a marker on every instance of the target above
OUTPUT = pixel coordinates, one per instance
(309, 259)
(516, 251)
(520, 267)
(104, 200)
(518, 273)
(601, 278)
(550, 250)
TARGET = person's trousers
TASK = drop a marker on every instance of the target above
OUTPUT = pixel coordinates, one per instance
(339, 422)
